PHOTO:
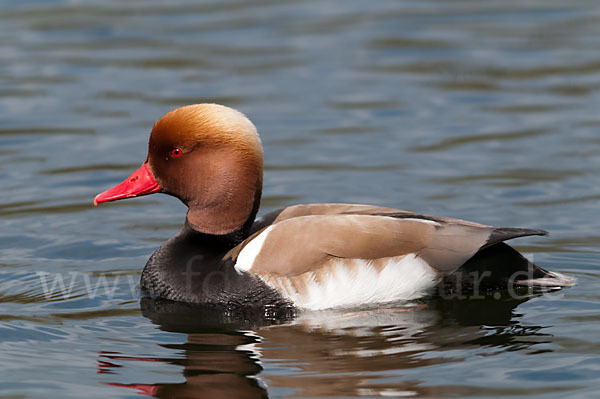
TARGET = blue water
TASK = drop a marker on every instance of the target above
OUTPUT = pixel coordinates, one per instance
(486, 111)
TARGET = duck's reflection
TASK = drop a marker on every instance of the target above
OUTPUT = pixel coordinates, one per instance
(332, 353)
(215, 365)
(218, 357)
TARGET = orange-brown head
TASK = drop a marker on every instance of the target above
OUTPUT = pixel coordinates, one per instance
(210, 157)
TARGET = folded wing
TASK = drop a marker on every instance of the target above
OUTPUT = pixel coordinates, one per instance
(304, 243)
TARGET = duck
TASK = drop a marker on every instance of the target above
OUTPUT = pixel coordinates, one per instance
(304, 256)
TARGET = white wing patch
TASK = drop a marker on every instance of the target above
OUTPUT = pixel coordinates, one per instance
(248, 254)
(426, 221)
(353, 282)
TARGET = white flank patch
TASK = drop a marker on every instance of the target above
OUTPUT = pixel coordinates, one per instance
(353, 282)
(248, 254)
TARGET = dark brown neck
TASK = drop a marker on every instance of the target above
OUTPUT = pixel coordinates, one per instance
(217, 221)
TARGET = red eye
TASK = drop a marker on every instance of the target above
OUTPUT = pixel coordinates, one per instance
(176, 152)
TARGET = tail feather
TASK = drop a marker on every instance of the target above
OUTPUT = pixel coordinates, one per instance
(499, 267)
(506, 233)
(551, 279)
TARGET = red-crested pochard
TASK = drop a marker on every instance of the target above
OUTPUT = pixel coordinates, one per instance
(311, 256)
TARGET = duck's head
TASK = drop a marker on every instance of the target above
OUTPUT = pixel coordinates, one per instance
(210, 157)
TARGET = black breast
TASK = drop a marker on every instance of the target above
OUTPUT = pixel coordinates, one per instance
(189, 268)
